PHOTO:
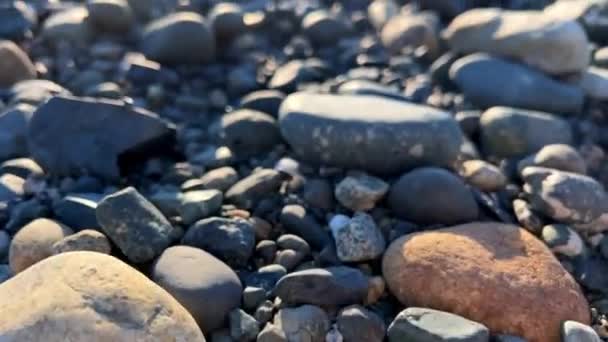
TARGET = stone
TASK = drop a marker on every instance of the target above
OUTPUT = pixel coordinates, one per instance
(553, 46)
(556, 156)
(78, 210)
(381, 11)
(114, 16)
(266, 277)
(11, 187)
(168, 199)
(227, 22)
(264, 312)
(199, 281)
(220, 179)
(243, 327)
(475, 259)
(266, 101)
(296, 220)
(508, 338)
(304, 323)
(576, 332)
(69, 25)
(290, 241)
(230, 240)
(432, 195)
(563, 240)
(34, 242)
(17, 20)
(35, 92)
(358, 239)
(328, 287)
(359, 132)
(594, 82)
(200, 204)
(526, 216)
(272, 333)
(101, 134)
(590, 14)
(139, 230)
(16, 65)
(21, 167)
(179, 38)
(411, 30)
(483, 175)
(253, 297)
(490, 81)
(318, 193)
(248, 132)
(428, 325)
(85, 240)
(323, 29)
(5, 273)
(512, 132)
(5, 243)
(287, 77)
(110, 301)
(251, 189)
(357, 324)
(289, 258)
(360, 192)
(564, 196)
(13, 131)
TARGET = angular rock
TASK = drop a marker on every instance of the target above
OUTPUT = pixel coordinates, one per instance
(368, 132)
(110, 301)
(15, 64)
(243, 327)
(357, 324)
(85, 240)
(359, 239)
(360, 192)
(556, 156)
(199, 281)
(100, 134)
(489, 81)
(304, 323)
(139, 230)
(248, 132)
(475, 259)
(249, 190)
(196, 205)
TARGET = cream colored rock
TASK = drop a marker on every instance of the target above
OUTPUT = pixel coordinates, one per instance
(90, 297)
(15, 65)
(411, 30)
(495, 274)
(483, 175)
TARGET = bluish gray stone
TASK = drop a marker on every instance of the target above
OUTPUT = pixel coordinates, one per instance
(266, 101)
(296, 220)
(13, 131)
(249, 190)
(359, 239)
(248, 132)
(196, 205)
(77, 211)
(577, 332)
(357, 324)
(562, 239)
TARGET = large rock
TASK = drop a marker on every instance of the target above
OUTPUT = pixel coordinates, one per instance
(100, 134)
(113, 16)
(367, 132)
(199, 281)
(490, 81)
(495, 274)
(554, 46)
(92, 297)
(179, 38)
(15, 65)
(591, 14)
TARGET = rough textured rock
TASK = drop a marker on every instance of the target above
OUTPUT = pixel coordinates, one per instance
(110, 301)
(360, 192)
(357, 324)
(475, 259)
(15, 65)
(358, 132)
(358, 239)
(304, 323)
(85, 240)
(556, 156)
(203, 284)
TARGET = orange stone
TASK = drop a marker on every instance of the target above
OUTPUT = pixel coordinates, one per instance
(496, 274)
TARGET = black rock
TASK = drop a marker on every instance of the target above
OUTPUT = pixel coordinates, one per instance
(17, 19)
(248, 132)
(251, 189)
(77, 211)
(266, 277)
(266, 101)
(296, 220)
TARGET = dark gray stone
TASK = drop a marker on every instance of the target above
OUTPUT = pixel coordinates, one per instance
(134, 225)
(253, 296)
(556, 156)
(322, 28)
(357, 324)
(243, 327)
(251, 189)
(230, 240)
(17, 20)
(77, 211)
(304, 323)
(196, 205)
(114, 16)
(13, 131)
(266, 101)
(100, 134)
(432, 195)
(296, 220)
(333, 286)
(248, 132)
(318, 193)
(489, 81)
(368, 132)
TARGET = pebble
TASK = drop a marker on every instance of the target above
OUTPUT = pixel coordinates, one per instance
(253, 297)
(411, 31)
(13, 131)
(483, 175)
(16, 65)
(199, 281)
(264, 312)
(114, 16)
(358, 132)
(230, 240)
(360, 192)
(526, 216)
(556, 156)
(490, 81)
(333, 286)
(227, 22)
(512, 132)
(271, 333)
(85, 240)
(298, 221)
(247, 192)
(318, 193)
(248, 132)
(289, 258)
(590, 14)
(200, 204)
(219, 179)
(358, 239)
(428, 325)
(290, 241)
(17, 20)
(379, 12)
(98, 291)
(593, 82)
(357, 324)
(266, 277)
(576, 332)
(304, 323)
(266, 101)
(138, 228)
(5, 242)
(78, 211)
(289, 75)
(69, 25)
(243, 327)
(432, 195)
(563, 240)
(21, 167)
(11, 187)
(324, 29)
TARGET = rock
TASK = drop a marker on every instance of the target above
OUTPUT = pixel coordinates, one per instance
(475, 259)
(266, 101)
(358, 132)
(556, 156)
(446, 8)
(576, 332)
(379, 12)
(101, 134)
(253, 297)
(199, 281)
(71, 25)
(17, 20)
(78, 210)
(213, 157)
(5, 273)
(271, 333)
(35, 92)
(304, 323)
(297, 221)
(358, 324)
(15, 66)
(288, 76)
(114, 16)
(483, 175)
(34, 242)
(563, 240)
(251, 189)
(489, 81)
(318, 193)
(264, 312)
(564, 196)
(290, 241)
(243, 327)
(289, 258)
(11, 187)
(508, 338)
(526, 216)
(196, 205)
(226, 22)
(5, 243)
(511, 132)
(13, 131)
(359, 239)
(179, 38)
(594, 82)
(590, 14)
(109, 300)
(428, 325)
(139, 230)
(230, 240)
(553, 46)
(85, 240)
(333, 286)
(411, 30)
(322, 28)
(360, 192)
(220, 179)
(248, 132)
(21, 167)
(266, 277)
(432, 195)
